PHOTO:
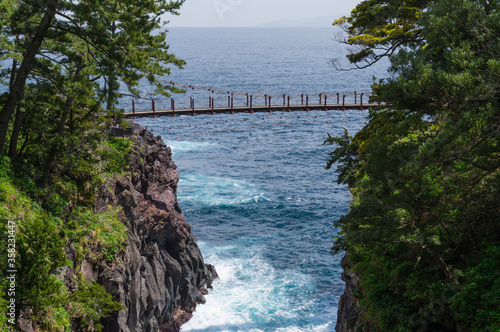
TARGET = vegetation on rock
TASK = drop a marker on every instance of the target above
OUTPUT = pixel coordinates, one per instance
(47, 221)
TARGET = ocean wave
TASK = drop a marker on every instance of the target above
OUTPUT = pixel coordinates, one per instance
(196, 189)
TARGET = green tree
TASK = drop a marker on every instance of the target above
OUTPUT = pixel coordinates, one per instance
(19, 77)
(423, 225)
(123, 41)
(345, 155)
(377, 29)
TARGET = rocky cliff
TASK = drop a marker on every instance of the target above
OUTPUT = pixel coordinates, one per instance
(348, 311)
(161, 277)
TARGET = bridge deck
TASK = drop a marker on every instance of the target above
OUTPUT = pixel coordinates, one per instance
(247, 109)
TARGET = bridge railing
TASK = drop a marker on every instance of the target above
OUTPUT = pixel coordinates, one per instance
(216, 99)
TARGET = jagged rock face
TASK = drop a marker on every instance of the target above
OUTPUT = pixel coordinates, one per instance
(162, 275)
(348, 311)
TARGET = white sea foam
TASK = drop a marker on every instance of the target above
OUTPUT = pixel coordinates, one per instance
(313, 328)
(251, 294)
(185, 146)
(212, 190)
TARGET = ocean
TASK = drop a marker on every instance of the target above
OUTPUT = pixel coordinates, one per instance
(254, 186)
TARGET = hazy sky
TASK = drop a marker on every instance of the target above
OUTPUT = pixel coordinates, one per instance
(248, 13)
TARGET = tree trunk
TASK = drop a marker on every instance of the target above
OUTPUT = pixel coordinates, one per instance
(17, 88)
(53, 149)
(23, 146)
(13, 74)
(15, 133)
(112, 84)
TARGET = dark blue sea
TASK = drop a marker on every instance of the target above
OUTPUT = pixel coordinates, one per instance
(254, 187)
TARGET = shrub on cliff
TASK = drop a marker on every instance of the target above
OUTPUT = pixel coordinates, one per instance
(89, 303)
(46, 221)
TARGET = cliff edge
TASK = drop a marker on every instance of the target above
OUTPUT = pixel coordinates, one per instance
(348, 310)
(162, 276)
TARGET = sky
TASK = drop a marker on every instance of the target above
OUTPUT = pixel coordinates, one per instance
(251, 13)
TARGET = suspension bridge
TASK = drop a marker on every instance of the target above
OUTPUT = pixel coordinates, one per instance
(252, 102)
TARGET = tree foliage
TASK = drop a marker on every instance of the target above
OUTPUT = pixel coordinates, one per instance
(84, 301)
(45, 222)
(84, 51)
(423, 228)
(344, 156)
(376, 29)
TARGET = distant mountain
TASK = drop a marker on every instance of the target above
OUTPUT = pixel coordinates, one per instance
(314, 22)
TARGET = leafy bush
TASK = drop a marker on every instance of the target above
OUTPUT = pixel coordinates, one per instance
(39, 252)
(477, 306)
(114, 154)
(41, 236)
(89, 303)
(96, 236)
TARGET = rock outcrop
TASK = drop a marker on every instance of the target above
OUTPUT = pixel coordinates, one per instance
(162, 276)
(348, 311)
